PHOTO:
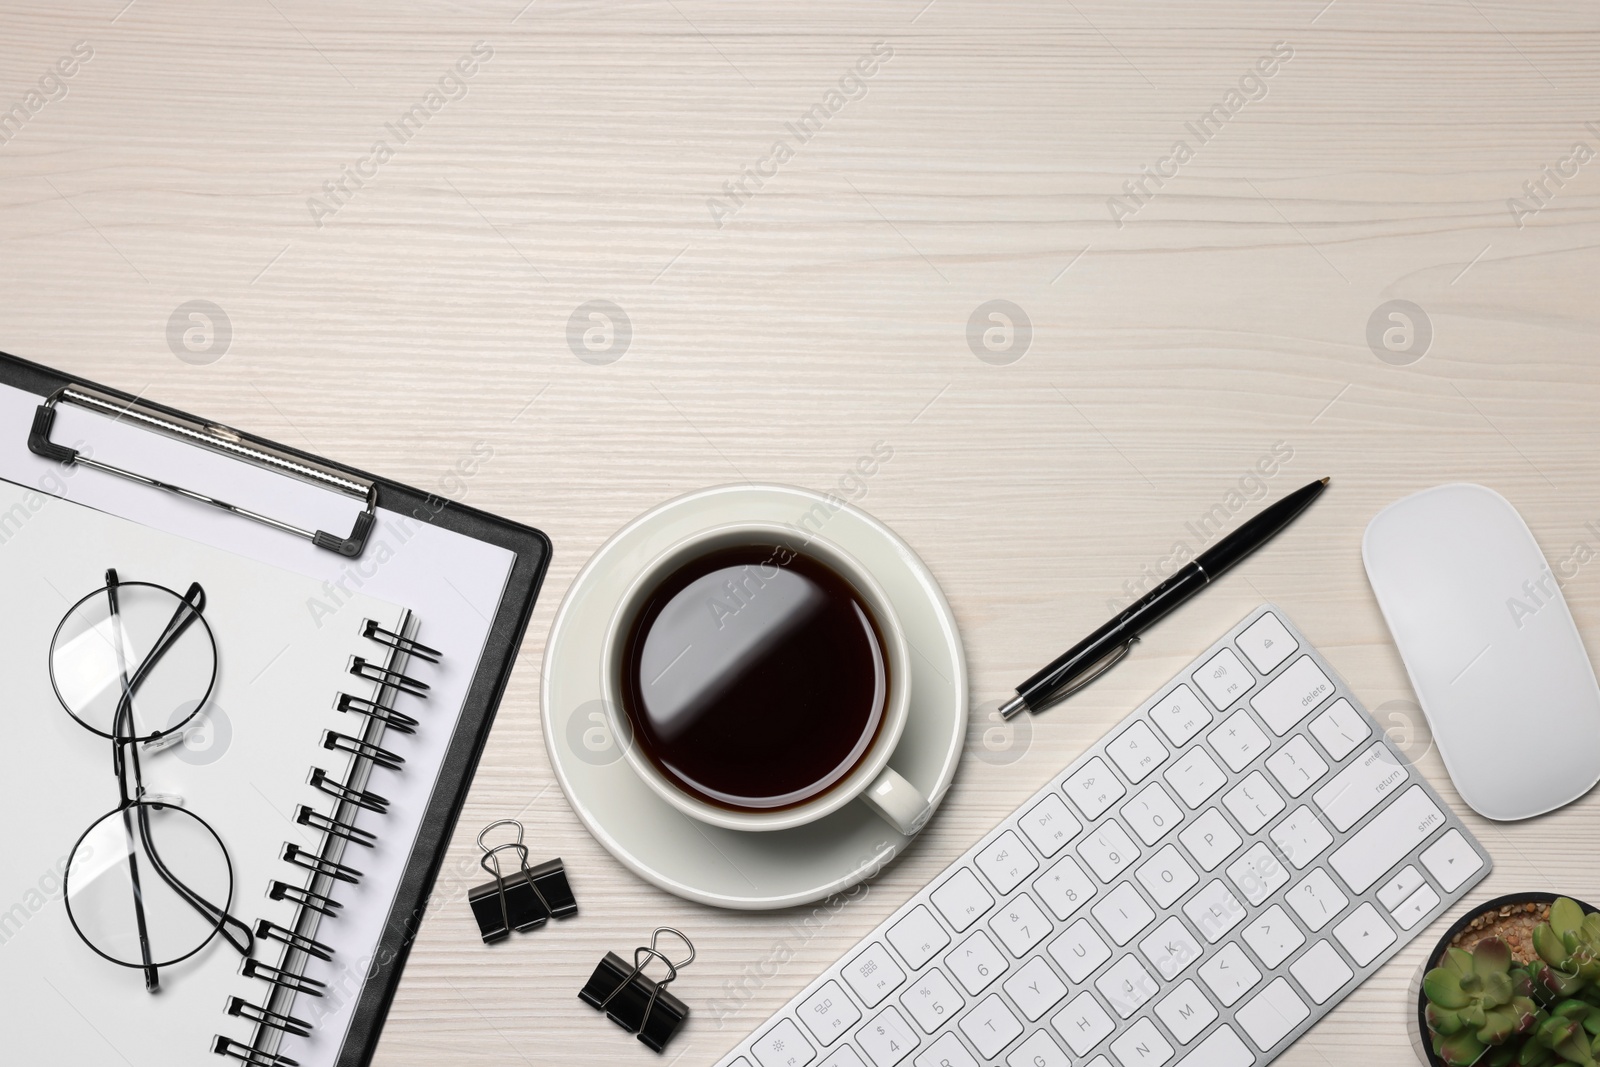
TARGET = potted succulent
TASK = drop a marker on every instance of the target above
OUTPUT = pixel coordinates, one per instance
(1516, 983)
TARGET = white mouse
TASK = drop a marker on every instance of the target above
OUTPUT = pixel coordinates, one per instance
(1492, 650)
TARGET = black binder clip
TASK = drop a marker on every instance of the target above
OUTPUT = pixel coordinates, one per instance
(632, 1000)
(523, 900)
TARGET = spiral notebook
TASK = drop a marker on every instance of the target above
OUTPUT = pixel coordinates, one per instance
(331, 758)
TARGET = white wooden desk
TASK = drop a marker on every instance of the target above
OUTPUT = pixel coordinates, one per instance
(781, 329)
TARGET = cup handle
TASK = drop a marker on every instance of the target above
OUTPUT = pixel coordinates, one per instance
(899, 802)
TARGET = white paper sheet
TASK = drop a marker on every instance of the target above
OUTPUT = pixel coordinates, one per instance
(453, 583)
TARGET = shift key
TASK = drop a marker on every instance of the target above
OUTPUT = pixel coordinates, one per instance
(1389, 838)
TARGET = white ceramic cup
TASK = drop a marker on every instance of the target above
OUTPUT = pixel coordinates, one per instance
(877, 784)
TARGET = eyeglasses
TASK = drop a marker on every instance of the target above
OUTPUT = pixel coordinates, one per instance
(135, 662)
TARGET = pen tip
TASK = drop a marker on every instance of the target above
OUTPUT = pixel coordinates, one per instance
(1325, 481)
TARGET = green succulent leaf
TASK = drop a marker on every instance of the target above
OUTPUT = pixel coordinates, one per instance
(1491, 956)
(1566, 915)
(1554, 1030)
(1497, 1027)
(1461, 1049)
(1497, 990)
(1549, 945)
(1442, 1022)
(1576, 1050)
(1458, 960)
(1533, 1054)
(1442, 987)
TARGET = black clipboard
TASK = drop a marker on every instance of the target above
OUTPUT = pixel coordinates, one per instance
(530, 547)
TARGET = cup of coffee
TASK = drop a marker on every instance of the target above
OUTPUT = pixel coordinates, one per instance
(760, 680)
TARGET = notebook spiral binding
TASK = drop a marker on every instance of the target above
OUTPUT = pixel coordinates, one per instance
(324, 867)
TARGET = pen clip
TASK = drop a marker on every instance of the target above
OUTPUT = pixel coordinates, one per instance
(1111, 660)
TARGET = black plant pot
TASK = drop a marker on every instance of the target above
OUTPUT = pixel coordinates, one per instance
(1420, 1034)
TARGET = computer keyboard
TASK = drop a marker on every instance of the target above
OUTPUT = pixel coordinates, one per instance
(1197, 889)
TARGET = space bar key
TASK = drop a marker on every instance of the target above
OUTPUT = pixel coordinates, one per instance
(1391, 835)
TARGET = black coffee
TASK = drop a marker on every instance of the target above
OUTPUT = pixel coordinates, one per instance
(754, 678)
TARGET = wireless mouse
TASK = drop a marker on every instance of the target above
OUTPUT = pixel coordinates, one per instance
(1492, 650)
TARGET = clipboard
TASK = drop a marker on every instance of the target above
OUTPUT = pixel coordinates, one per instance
(246, 495)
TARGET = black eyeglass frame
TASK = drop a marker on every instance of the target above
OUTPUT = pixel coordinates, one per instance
(125, 755)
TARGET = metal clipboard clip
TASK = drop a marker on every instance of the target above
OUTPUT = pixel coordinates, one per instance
(230, 443)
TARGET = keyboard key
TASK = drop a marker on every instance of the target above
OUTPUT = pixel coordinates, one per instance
(1126, 985)
(1238, 740)
(1049, 825)
(918, 937)
(1065, 888)
(1035, 989)
(1021, 925)
(1079, 950)
(1364, 934)
(1137, 752)
(991, 1026)
(1273, 936)
(1388, 838)
(888, 1039)
(783, 1046)
(828, 1013)
(1083, 1023)
(948, 1051)
(1166, 876)
(1142, 1046)
(961, 900)
(1151, 813)
(1180, 715)
(873, 975)
(1273, 1014)
(1186, 1011)
(1210, 839)
(1296, 766)
(976, 962)
(1416, 907)
(1292, 696)
(845, 1056)
(1006, 862)
(1253, 802)
(1266, 643)
(1258, 874)
(1229, 974)
(1195, 776)
(1394, 892)
(932, 1000)
(1123, 913)
(1094, 788)
(1301, 837)
(1109, 850)
(1316, 900)
(1222, 1049)
(1170, 948)
(1321, 972)
(1214, 911)
(1451, 860)
(1224, 679)
(1340, 729)
(1038, 1051)
(1362, 786)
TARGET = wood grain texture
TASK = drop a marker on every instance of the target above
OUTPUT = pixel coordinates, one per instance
(830, 311)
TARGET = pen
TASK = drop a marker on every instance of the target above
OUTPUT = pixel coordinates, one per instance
(1106, 647)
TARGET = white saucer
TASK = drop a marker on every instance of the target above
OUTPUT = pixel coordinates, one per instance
(732, 868)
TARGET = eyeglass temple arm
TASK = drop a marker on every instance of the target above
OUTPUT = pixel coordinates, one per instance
(152, 978)
(221, 918)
